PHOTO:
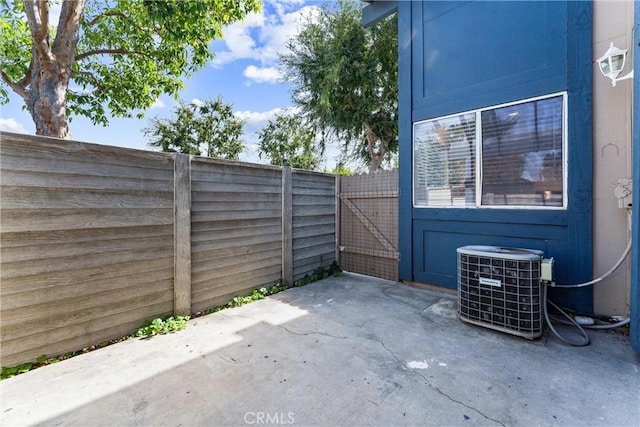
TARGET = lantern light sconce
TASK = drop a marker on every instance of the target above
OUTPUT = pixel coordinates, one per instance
(612, 63)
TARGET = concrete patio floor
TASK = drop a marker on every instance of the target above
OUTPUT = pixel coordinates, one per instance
(350, 350)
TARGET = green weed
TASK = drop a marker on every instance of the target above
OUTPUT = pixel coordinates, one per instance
(160, 327)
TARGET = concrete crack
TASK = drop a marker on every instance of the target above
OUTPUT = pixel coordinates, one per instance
(360, 326)
(436, 388)
(311, 333)
(402, 301)
(285, 328)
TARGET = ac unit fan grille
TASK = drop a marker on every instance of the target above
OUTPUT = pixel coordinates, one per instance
(499, 293)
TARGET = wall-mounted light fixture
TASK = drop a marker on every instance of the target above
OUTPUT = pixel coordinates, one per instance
(612, 63)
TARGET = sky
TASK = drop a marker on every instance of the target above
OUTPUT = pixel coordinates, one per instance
(245, 72)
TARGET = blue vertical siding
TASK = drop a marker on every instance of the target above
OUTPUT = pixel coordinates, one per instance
(481, 53)
(579, 267)
(405, 40)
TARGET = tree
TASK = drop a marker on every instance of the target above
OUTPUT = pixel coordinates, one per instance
(209, 124)
(340, 169)
(286, 141)
(114, 56)
(346, 80)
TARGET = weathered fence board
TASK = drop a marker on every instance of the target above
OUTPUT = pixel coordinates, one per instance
(62, 198)
(235, 237)
(313, 224)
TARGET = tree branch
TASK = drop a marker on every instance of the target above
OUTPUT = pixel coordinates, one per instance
(44, 18)
(376, 158)
(101, 52)
(39, 28)
(100, 17)
(24, 82)
(17, 87)
(118, 51)
(92, 76)
(64, 45)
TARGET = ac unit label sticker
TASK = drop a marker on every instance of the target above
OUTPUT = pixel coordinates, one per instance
(490, 282)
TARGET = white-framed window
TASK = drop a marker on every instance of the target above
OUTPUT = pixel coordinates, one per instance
(508, 156)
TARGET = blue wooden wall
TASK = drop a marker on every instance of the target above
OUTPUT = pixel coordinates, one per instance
(458, 56)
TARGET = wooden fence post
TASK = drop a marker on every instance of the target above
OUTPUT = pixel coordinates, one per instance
(182, 234)
(287, 226)
(337, 220)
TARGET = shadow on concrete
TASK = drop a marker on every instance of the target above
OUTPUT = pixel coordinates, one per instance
(351, 350)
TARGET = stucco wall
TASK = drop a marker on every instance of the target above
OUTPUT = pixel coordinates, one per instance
(612, 22)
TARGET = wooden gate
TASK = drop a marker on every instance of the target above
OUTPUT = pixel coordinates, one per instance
(368, 226)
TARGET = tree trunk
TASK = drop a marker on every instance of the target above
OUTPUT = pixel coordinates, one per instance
(376, 156)
(45, 88)
(47, 101)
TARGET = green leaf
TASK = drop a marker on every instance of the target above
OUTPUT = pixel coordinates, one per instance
(210, 127)
(345, 81)
(288, 141)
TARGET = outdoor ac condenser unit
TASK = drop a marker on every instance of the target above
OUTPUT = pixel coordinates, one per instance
(500, 288)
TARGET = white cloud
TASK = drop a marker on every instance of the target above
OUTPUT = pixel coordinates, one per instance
(238, 40)
(256, 119)
(253, 19)
(11, 125)
(282, 6)
(197, 102)
(262, 74)
(262, 37)
(158, 103)
(275, 37)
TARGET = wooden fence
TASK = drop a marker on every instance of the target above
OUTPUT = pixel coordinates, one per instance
(313, 221)
(368, 224)
(95, 240)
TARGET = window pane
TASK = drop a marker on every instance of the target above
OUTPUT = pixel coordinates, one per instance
(444, 165)
(522, 154)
